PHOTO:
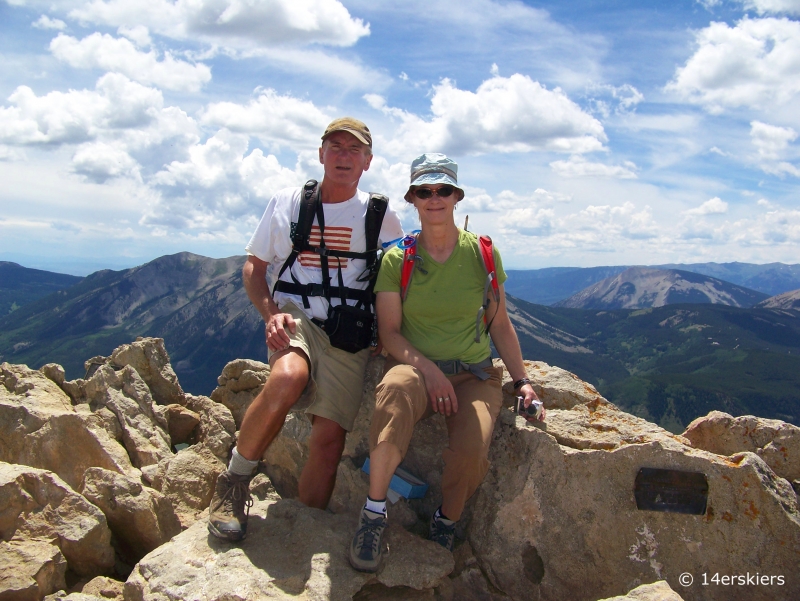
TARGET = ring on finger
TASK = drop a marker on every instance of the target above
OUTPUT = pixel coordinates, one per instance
(441, 400)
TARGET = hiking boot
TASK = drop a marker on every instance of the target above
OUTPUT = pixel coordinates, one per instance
(227, 514)
(442, 531)
(365, 550)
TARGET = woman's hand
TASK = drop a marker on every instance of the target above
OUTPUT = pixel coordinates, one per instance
(440, 391)
(529, 395)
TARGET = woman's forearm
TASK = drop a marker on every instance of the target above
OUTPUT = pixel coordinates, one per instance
(507, 344)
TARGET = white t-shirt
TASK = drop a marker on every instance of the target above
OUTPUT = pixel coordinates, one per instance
(344, 230)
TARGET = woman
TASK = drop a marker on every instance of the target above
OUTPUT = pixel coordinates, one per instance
(437, 363)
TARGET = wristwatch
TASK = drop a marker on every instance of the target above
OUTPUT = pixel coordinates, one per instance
(520, 383)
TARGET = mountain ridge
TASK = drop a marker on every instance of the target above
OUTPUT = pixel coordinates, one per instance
(668, 364)
(642, 287)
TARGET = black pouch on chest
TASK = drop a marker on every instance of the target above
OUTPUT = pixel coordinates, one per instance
(349, 328)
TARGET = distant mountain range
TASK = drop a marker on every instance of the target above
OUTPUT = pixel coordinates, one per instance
(197, 304)
(674, 363)
(669, 364)
(550, 285)
(642, 287)
(20, 285)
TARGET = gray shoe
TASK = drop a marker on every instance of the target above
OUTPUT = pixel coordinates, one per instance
(442, 531)
(365, 550)
(230, 506)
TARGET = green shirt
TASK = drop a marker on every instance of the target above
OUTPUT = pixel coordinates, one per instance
(441, 306)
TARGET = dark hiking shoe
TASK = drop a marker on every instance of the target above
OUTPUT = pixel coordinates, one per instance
(442, 531)
(227, 514)
(365, 550)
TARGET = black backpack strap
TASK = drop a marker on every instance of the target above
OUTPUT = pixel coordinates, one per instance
(301, 235)
(376, 209)
(310, 207)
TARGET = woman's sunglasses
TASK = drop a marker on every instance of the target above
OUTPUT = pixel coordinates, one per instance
(426, 193)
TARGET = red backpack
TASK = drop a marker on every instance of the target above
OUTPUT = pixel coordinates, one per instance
(409, 246)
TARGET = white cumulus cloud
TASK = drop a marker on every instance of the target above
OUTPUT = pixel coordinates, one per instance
(714, 206)
(218, 182)
(275, 119)
(754, 64)
(100, 161)
(791, 7)
(771, 140)
(505, 114)
(78, 115)
(45, 22)
(772, 143)
(119, 55)
(233, 23)
(578, 166)
(596, 227)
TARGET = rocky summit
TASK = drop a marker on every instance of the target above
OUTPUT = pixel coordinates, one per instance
(105, 484)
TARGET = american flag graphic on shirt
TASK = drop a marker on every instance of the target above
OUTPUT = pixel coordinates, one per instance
(336, 238)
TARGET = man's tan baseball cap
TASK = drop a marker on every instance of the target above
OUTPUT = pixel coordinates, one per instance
(351, 126)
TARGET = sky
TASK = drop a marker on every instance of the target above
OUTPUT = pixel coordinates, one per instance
(587, 132)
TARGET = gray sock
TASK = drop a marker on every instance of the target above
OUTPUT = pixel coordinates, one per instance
(241, 466)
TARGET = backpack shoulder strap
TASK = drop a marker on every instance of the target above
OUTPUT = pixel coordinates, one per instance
(409, 246)
(302, 233)
(487, 254)
(376, 209)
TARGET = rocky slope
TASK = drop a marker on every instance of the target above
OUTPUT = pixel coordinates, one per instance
(96, 502)
(643, 287)
(786, 301)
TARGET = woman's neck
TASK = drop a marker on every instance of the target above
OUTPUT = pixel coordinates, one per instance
(439, 240)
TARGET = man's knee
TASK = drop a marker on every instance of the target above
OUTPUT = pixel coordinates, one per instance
(327, 441)
(289, 372)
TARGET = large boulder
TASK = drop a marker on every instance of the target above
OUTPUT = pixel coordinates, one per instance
(148, 356)
(187, 480)
(41, 428)
(36, 504)
(291, 552)
(145, 432)
(217, 429)
(553, 521)
(556, 517)
(140, 518)
(776, 442)
(240, 382)
(30, 569)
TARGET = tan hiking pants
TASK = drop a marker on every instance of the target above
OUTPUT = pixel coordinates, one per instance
(401, 400)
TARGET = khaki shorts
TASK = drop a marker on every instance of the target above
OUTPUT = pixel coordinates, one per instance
(335, 387)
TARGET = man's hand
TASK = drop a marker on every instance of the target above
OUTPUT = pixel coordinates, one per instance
(277, 338)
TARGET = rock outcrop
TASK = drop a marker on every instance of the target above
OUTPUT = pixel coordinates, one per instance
(30, 569)
(140, 518)
(556, 517)
(187, 479)
(41, 428)
(241, 380)
(291, 551)
(776, 442)
(36, 504)
(566, 490)
(149, 358)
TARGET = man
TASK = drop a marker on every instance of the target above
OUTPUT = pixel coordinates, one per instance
(303, 362)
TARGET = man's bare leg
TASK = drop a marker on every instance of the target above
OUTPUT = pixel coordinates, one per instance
(325, 447)
(265, 416)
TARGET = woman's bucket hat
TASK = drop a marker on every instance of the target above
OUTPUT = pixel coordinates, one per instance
(433, 168)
